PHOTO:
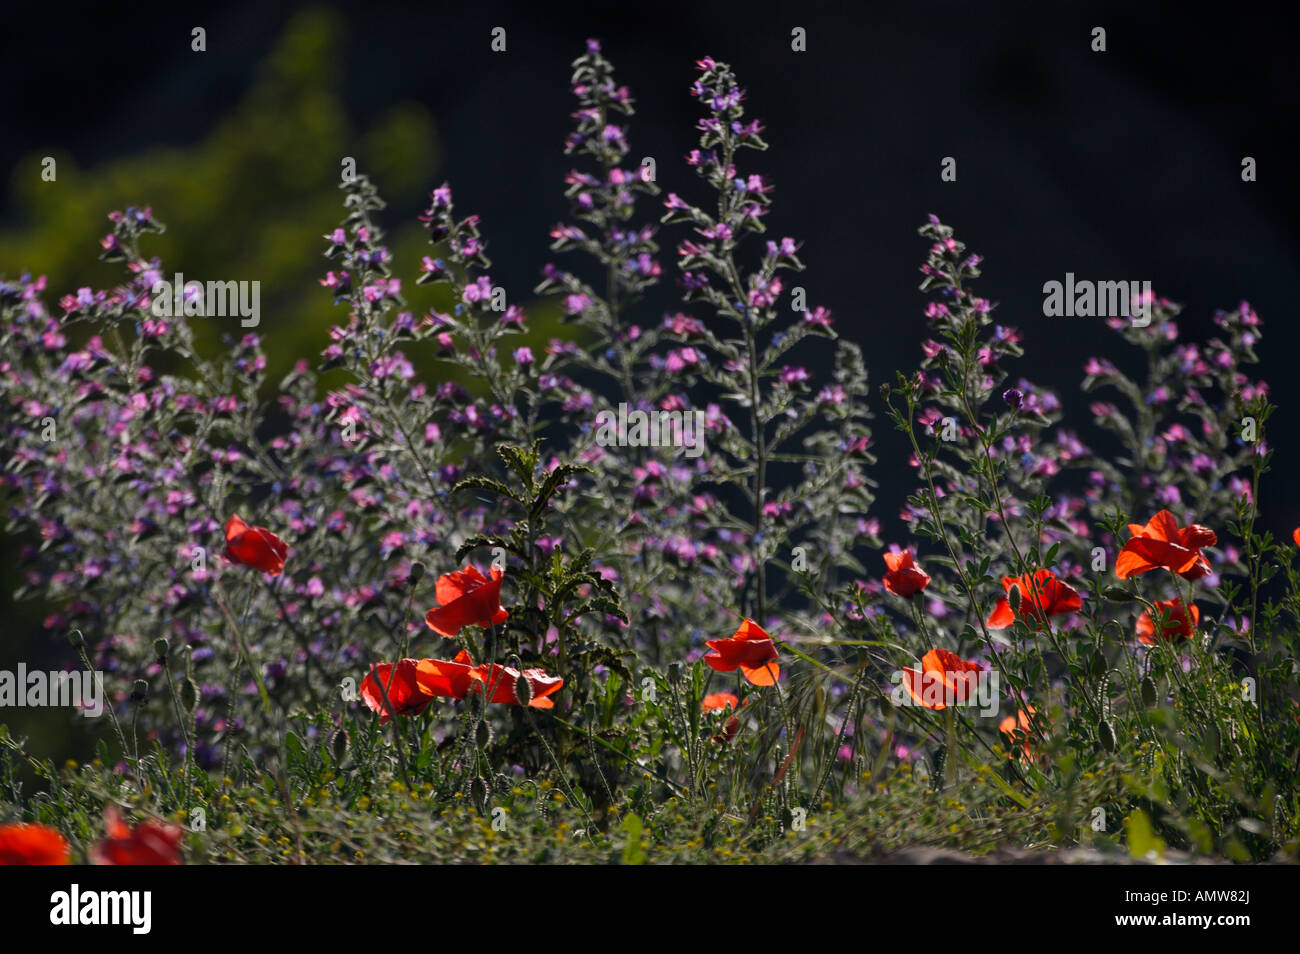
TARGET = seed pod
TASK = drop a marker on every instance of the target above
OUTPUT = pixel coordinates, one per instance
(189, 694)
(140, 691)
(1106, 735)
(1148, 691)
(161, 647)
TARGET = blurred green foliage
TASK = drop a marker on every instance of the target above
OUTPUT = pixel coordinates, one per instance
(249, 202)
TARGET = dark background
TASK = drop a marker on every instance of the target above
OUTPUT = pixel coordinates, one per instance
(1117, 165)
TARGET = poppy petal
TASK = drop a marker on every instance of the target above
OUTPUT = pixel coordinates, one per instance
(750, 630)
(766, 674)
(1001, 617)
(452, 586)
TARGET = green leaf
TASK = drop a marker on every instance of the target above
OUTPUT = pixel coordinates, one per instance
(522, 462)
(479, 482)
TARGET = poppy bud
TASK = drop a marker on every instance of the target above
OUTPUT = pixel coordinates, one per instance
(474, 703)
(478, 792)
(339, 745)
(189, 694)
(140, 691)
(1106, 735)
(161, 647)
(415, 573)
(523, 691)
(675, 672)
(483, 735)
(1117, 594)
(76, 638)
(593, 713)
(1013, 599)
(1148, 692)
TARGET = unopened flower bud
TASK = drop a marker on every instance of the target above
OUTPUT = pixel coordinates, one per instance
(140, 691)
(523, 691)
(415, 573)
(478, 792)
(1148, 689)
(161, 647)
(1013, 599)
(189, 694)
(76, 638)
(1106, 735)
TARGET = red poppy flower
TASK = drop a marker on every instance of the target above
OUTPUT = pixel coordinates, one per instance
(31, 844)
(467, 598)
(254, 546)
(1295, 535)
(724, 701)
(1042, 596)
(751, 650)
(399, 682)
(500, 682)
(1017, 727)
(1179, 621)
(943, 678)
(460, 677)
(1162, 543)
(152, 842)
(904, 578)
(450, 680)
